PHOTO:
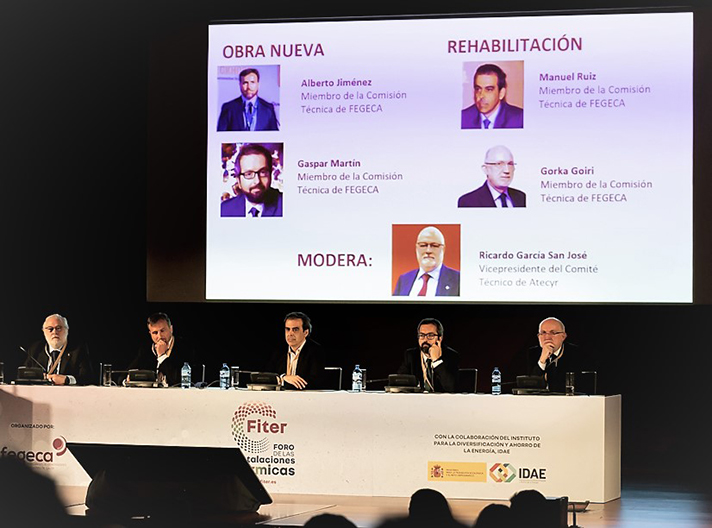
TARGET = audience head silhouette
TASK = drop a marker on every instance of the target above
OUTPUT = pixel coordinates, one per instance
(495, 516)
(329, 520)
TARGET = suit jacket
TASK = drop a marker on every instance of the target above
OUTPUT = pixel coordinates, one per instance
(574, 359)
(232, 116)
(170, 368)
(482, 197)
(444, 375)
(310, 365)
(509, 116)
(75, 361)
(237, 206)
(448, 284)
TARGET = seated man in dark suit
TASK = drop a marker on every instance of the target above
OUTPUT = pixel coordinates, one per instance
(554, 359)
(302, 366)
(256, 195)
(63, 364)
(496, 191)
(491, 110)
(166, 353)
(433, 365)
(248, 112)
(432, 278)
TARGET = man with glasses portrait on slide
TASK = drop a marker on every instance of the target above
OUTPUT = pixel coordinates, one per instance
(256, 196)
(496, 191)
(432, 278)
(434, 366)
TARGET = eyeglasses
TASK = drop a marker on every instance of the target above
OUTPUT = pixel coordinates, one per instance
(250, 175)
(428, 336)
(500, 165)
(50, 329)
(432, 245)
(553, 333)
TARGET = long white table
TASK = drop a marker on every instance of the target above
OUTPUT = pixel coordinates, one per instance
(373, 444)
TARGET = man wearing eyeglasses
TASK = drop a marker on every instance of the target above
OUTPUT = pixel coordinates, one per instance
(62, 364)
(432, 278)
(434, 366)
(256, 196)
(491, 110)
(555, 359)
(496, 191)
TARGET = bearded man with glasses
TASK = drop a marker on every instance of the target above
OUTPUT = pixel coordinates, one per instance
(256, 197)
(432, 278)
(61, 363)
(434, 366)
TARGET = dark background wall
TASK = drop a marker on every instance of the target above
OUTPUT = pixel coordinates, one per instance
(103, 156)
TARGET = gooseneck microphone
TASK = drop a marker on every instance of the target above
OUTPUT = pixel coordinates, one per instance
(44, 369)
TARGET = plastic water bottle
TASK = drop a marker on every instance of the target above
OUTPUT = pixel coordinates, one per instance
(225, 377)
(357, 380)
(185, 376)
(496, 381)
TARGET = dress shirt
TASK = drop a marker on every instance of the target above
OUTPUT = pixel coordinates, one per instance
(496, 194)
(432, 283)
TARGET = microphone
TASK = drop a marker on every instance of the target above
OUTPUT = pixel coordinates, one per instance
(44, 369)
(201, 384)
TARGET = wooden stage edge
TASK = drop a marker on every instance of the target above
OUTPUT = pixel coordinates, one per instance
(641, 505)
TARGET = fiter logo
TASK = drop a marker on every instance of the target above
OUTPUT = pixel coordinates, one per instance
(245, 426)
(503, 472)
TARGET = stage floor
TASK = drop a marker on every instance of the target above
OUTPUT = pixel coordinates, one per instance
(642, 505)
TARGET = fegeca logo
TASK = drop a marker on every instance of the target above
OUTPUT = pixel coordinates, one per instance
(251, 424)
(59, 446)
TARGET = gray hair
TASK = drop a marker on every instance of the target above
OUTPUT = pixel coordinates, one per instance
(61, 317)
(563, 328)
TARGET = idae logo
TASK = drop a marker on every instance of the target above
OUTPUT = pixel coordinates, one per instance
(503, 472)
(251, 424)
(59, 447)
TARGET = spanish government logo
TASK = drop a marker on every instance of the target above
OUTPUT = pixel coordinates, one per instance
(437, 472)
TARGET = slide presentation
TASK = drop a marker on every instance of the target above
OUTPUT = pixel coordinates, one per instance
(509, 159)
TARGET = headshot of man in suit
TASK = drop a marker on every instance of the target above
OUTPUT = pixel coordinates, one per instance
(491, 109)
(432, 278)
(248, 112)
(496, 191)
(256, 197)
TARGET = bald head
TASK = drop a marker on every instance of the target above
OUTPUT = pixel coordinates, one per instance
(499, 167)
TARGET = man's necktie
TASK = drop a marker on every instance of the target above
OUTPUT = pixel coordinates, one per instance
(254, 212)
(486, 122)
(503, 199)
(429, 372)
(422, 291)
(53, 355)
(249, 116)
